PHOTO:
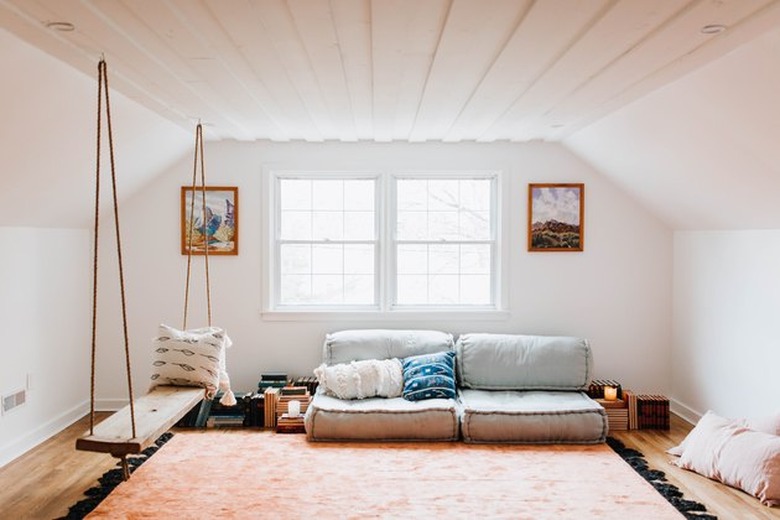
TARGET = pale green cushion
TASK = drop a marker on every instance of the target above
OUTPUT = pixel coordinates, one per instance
(355, 345)
(516, 362)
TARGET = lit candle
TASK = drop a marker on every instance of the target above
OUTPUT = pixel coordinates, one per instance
(610, 393)
(294, 408)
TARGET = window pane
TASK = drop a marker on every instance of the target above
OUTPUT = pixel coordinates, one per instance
(443, 195)
(412, 259)
(474, 225)
(359, 225)
(475, 259)
(412, 225)
(295, 289)
(328, 195)
(327, 289)
(296, 259)
(444, 289)
(443, 225)
(475, 194)
(475, 289)
(295, 194)
(412, 194)
(359, 195)
(412, 289)
(327, 258)
(444, 259)
(327, 225)
(296, 225)
(359, 259)
(359, 289)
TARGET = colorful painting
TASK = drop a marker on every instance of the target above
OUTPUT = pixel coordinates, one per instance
(216, 227)
(555, 217)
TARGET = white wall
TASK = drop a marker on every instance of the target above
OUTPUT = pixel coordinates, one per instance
(47, 138)
(44, 316)
(726, 301)
(617, 292)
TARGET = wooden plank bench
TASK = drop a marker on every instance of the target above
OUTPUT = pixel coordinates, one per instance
(155, 413)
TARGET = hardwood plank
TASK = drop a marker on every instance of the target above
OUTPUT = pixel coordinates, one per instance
(155, 413)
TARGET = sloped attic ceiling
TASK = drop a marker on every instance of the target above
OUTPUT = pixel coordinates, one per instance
(386, 70)
(704, 151)
(686, 146)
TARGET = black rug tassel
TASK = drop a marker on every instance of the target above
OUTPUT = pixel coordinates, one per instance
(635, 459)
(111, 479)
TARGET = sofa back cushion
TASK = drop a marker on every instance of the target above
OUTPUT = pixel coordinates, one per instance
(357, 345)
(513, 362)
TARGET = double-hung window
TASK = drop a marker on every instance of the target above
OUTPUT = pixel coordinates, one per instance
(384, 242)
(326, 247)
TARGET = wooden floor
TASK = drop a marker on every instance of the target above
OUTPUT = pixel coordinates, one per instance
(43, 483)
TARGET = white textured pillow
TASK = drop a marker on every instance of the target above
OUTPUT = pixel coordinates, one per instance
(730, 452)
(362, 379)
(193, 357)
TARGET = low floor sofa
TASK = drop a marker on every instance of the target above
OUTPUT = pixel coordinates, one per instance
(509, 389)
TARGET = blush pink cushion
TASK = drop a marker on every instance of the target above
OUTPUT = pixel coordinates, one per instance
(731, 453)
(769, 424)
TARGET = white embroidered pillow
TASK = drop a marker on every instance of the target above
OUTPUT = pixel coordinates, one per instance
(362, 379)
(193, 357)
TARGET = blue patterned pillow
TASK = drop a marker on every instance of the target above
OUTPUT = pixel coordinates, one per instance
(429, 376)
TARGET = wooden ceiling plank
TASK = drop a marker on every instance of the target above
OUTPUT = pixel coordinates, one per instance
(275, 20)
(404, 34)
(655, 57)
(614, 32)
(464, 55)
(352, 20)
(538, 41)
(315, 26)
(259, 65)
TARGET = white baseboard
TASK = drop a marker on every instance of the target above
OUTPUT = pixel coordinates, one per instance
(684, 411)
(42, 433)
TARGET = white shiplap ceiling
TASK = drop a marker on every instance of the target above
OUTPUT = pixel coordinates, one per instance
(411, 70)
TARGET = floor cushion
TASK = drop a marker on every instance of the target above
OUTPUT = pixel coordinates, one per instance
(381, 419)
(531, 417)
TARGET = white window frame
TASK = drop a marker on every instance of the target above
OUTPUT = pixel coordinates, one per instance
(385, 274)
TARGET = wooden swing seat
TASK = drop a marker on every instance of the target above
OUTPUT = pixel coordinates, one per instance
(155, 413)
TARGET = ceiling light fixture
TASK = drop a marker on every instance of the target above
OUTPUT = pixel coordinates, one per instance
(61, 26)
(714, 28)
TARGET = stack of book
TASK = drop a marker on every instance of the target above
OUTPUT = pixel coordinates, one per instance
(286, 423)
(255, 409)
(221, 415)
(652, 412)
(617, 413)
(271, 380)
(310, 382)
(269, 406)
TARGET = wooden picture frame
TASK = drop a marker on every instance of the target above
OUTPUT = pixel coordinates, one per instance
(222, 217)
(556, 217)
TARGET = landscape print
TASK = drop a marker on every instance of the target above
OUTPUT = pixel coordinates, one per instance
(555, 217)
(216, 227)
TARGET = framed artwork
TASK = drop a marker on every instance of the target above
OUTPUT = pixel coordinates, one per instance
(555, 217)
(217, 226)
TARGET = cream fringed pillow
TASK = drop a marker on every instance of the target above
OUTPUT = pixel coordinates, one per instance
(361, 379)
(193, 357)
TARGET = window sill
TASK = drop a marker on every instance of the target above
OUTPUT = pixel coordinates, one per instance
(390, 316)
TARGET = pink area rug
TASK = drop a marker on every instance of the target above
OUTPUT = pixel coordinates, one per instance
(245, 474)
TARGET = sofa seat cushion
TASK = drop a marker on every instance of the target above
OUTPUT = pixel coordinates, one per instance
(532, 417)
(379, 419)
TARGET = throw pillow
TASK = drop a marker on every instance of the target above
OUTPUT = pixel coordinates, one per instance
(731, 453)
(361, 379)
(429, 376)
(193, 357)
(768, 424)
